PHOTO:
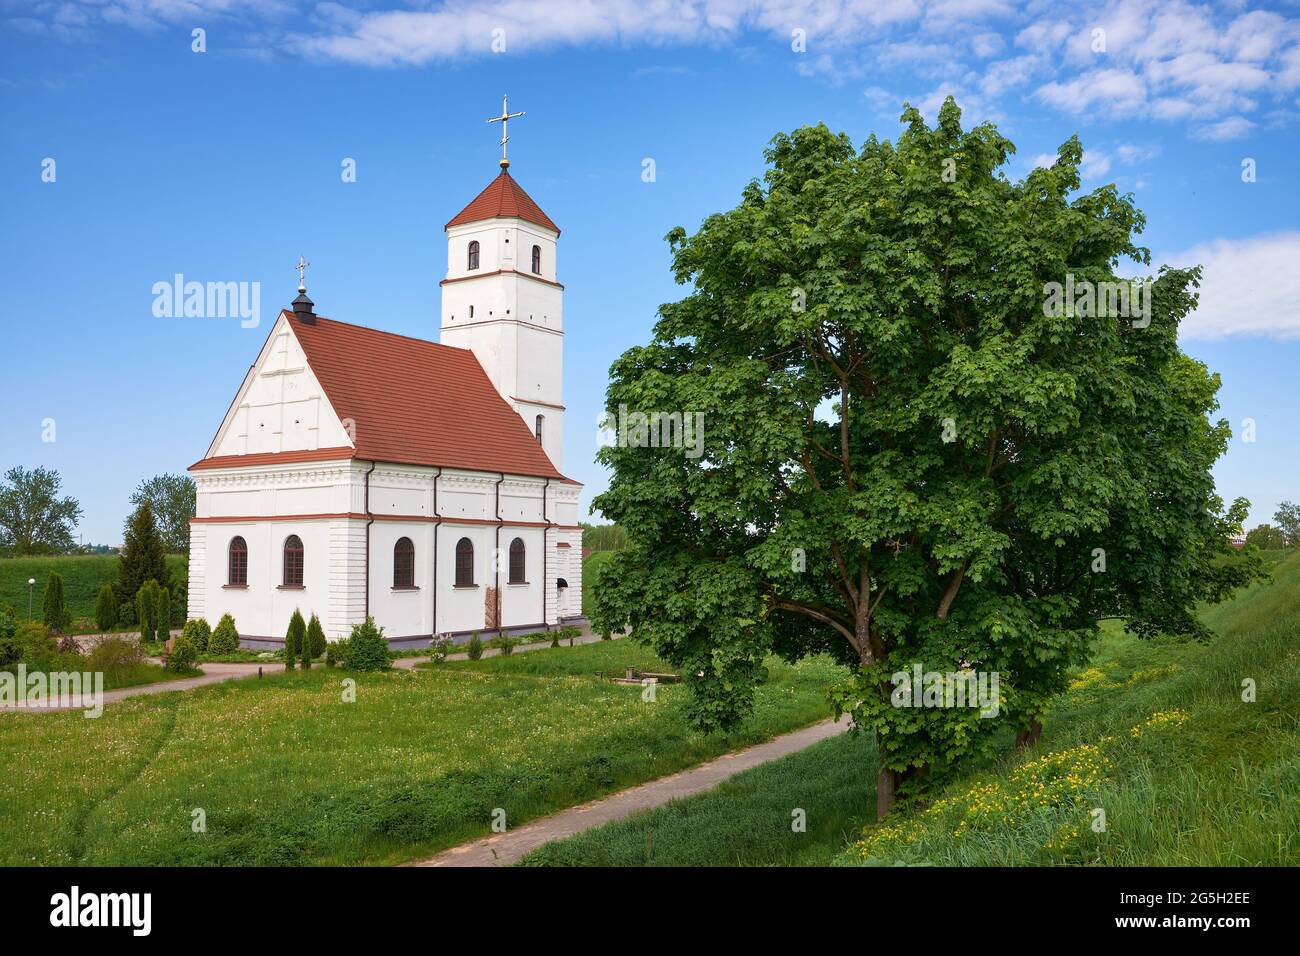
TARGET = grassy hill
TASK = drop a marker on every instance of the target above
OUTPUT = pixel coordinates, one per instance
(82, 576)
(1155, 734)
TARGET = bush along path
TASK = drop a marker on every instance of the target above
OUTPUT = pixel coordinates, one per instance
(215, 673)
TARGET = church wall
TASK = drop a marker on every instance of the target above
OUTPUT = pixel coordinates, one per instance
(282, 406)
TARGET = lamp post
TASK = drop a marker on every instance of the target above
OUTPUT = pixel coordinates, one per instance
(31, 583)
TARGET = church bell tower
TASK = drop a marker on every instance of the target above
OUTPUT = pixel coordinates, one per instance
(502, 299)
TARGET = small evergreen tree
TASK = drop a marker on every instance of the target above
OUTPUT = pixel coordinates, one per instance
(146, 611)
(474, 649)
(54, 611)
(106, 607)
(295, 640)
(315, 637)
(142, 554)
(367, 649)
(162, 614)
(225, 638)
(197, 632)
(183, 655)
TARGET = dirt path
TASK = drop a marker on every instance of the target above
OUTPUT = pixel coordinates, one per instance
(502, 849)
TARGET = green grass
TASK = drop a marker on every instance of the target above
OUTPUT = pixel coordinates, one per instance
(1214, 782)
(82, 576)
(287, 773)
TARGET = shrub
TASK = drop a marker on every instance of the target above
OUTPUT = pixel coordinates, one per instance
(555, 638)
(146, 611)
(439, 648)
(162, 614)
(315, 637)
(474, 649)
(293, 640)
(225, 639)
(106, 607)
(125, 612)
(198, 633)
(68, 645)
(53, 610)
(183, 655)
(336, 652)
(367, 649)
(115, 655)
(506, 644)
(34, 646)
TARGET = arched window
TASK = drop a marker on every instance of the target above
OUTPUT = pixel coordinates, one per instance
(473, 255)
(237, 565)
(293, 561)
(537, 259)
(537, 428)
(517, 561)
(404, 564)
(464, 563)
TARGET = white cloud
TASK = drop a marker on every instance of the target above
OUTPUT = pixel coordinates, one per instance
(1120, 92)
(1234, 127)
(1248, 287)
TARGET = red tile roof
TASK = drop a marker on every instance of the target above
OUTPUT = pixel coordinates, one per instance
(413, 403)
(503, 197)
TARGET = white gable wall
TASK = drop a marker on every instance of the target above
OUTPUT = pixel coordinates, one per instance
(282, 406)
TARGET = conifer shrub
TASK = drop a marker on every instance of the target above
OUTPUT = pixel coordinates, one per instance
(198, 633)
(336, 652)
(294, 640)
(54, 612)
(182, 657)
(315, 637)
(225, 639)
(474, 649)
(367, 649)
(106, 611)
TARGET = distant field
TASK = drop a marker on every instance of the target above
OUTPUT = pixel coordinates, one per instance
(82, 576)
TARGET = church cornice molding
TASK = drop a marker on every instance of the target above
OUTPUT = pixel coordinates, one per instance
(504, 272)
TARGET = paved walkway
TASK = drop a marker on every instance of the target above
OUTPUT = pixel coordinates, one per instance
(502, 849)
(216, 673)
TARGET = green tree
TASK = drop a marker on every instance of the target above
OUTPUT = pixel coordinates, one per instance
(603, 537)
(162, 614)
(315, 636)
(225, 637)
(909, 455)
(172, 500)
(142, 557)
(294, 640)
(198, 633)
(1287, 517)
(146, 612)
(367, 649)
(54, 611)
(106, 607)
(33, 518)
(1266, 537)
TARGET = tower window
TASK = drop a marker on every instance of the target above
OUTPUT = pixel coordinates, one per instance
(293, 561)
(404, 564)
(537, 428)
(238, 565)
(517, 561)
(473, 255)
(464, 563)
(471, 311)
(537, 259)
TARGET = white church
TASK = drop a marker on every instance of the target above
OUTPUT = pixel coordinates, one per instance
(359, 472)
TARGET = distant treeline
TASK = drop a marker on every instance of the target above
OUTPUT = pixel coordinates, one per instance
(603, 537)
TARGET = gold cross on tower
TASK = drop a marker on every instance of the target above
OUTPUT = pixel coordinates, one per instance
(504, 118)
(302, 273)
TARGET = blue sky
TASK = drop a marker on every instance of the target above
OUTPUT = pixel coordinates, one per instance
(225, 165)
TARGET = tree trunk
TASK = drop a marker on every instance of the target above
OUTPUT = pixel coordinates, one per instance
(1029, 737)
(886, 791)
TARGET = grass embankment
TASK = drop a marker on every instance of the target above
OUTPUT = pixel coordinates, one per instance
(286, 772)
(1155, 734)
(82, 576)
